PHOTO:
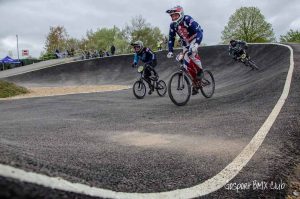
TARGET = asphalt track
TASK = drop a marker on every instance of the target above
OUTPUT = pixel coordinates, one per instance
(113, 141)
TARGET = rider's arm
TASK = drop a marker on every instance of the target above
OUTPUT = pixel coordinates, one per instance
(232, 52)
(172, 35)
(150, 56)
(195, 28)
(245, 45)
(241, 45)
(149, 51)
(135, 59)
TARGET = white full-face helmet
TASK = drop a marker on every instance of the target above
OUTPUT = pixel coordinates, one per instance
(138, 46)
(176, 14)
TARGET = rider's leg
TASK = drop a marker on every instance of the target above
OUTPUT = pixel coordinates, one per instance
(147, 75)
(195, 58)
(153, 64)
(187, 60)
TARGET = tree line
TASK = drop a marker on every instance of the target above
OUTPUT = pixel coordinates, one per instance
(103, 38)
(247, 23)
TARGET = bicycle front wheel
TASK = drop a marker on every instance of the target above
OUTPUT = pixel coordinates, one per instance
(161, 88)
(179, 89)
(207, 84)
(139, 89)
(253, 65)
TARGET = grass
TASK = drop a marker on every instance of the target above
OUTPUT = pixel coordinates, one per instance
(8, 89)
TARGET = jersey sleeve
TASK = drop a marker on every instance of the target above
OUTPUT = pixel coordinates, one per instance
(152, 55)
(172, 35)
(195, 27)
(135, 58)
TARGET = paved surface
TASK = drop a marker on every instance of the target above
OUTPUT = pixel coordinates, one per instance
(114, 141)
(35, 66)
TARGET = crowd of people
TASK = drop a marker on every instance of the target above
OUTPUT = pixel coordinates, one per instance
(84, 54)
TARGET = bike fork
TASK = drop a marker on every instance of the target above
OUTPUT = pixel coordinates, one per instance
(180, 82)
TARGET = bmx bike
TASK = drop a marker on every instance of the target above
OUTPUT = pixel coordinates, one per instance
(181, 82)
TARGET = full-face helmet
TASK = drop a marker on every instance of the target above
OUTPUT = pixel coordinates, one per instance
(138, 46)
(176, 14)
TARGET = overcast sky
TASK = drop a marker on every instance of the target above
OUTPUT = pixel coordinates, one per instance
(31, 19)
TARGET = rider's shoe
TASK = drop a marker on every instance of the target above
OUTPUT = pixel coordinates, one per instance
(151, 90)
(195, 91)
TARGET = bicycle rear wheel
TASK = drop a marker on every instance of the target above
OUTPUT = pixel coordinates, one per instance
(207, 84)
(139, 89)
(179, 89)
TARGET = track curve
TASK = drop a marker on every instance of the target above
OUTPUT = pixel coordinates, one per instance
(106, 131)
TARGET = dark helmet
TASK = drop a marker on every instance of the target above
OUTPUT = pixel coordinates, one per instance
(233, 42)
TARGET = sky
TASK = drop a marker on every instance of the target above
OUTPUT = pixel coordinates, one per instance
(31, 19)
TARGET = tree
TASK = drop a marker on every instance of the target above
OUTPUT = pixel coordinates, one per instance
(104, 38)
(248, 24)
(72, 43)
(56, 39)
(139, 29)
(291, 36)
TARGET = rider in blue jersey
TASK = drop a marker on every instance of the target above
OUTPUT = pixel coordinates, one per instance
(147, 56)
(190, 34)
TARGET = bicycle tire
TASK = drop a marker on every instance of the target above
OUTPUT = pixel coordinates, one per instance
(208, 79)
(172, 92)
(140, 86)
(161, 88)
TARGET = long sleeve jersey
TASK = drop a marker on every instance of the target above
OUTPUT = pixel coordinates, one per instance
(146, 55)
(187, 30)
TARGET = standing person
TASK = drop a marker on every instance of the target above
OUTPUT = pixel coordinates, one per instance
(190, 34)
(159, 45)
(112, 50)
(165, 42)
(147, 56)
(101, 53)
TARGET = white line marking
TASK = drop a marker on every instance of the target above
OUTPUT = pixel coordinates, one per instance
(209, 186)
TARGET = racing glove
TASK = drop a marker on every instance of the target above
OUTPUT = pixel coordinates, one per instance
(193, 48)
(134, 65)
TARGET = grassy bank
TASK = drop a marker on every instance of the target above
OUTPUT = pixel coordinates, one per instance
(8, 89)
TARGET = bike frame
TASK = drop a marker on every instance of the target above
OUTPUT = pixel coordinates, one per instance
(142, 78)
(186, 72)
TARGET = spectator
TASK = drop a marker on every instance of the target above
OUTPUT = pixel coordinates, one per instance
(166, 40)
(101, 54)
(68, 53)
(87, 54)
(159, 45)
(112, 49)
(72, 52)
(57, 54)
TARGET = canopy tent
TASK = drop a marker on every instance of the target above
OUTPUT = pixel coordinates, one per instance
(8, 60)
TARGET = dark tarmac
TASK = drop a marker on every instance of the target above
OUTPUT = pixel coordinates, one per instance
(113, 141)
